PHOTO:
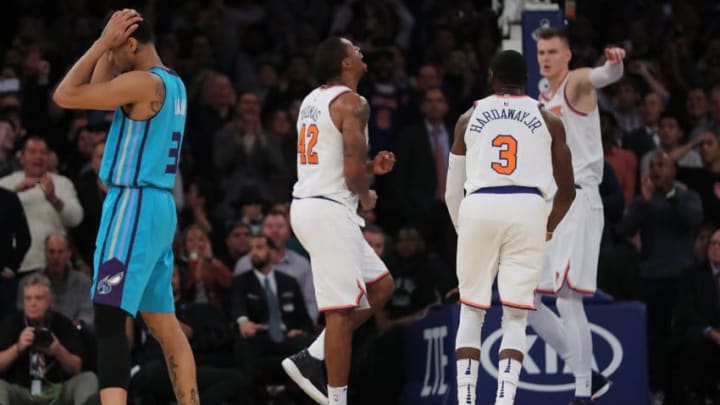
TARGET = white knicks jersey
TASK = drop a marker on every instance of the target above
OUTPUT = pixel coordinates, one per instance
(508, 144)
(582, 134)
(320, 162)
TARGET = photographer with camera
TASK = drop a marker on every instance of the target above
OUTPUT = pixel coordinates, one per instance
(41, 353)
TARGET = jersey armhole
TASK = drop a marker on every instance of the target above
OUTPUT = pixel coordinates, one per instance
(330, 103)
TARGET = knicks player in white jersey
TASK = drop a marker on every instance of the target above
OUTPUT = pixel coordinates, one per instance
(507, 155)
(333, 176)
(572, 256)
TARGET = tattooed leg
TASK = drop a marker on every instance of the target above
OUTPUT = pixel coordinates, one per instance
(178, 355)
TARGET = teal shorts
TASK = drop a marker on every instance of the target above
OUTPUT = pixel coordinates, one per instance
(133, 252)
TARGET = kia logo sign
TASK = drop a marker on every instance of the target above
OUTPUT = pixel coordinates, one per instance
(539, 353)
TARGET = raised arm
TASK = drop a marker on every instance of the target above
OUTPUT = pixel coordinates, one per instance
(583, 82)
(352, 112)
(77, 91)
(454, 187)
(562, 172)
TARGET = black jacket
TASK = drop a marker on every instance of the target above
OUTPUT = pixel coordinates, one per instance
(698, 304)
(248, 299)
(13, 226)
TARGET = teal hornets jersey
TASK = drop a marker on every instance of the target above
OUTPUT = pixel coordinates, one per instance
(147, 153)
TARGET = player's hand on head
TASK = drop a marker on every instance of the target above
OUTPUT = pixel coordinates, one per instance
(614, 54)
(119, 28)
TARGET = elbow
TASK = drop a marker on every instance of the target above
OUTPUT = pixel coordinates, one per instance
(60, 98)
(566, 194)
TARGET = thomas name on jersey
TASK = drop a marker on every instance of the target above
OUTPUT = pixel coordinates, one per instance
(530, 121)
(310, 111)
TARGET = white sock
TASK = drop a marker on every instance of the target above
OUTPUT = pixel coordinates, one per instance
(508, 378)
(583, 387)
(467, 374)
(337, 395)
(317, 348)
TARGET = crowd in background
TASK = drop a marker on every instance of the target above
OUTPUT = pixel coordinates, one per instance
(247, 64)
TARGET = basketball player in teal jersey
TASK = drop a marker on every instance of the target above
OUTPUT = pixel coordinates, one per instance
(122, 71)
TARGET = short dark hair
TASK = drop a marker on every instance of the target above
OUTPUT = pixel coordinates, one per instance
(328, 58)
(36, 139)
(508, 68)
(553, 32)
(143, 34)
(268, 240)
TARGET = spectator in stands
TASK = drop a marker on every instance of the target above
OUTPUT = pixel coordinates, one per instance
(645, 138)
(623, 162)
(668, 216)
(14, 243)
(91, 192)
(697, 325)
(269, 308)
(387, 98)
(697, 110)
(671, 136)
(69, 287)
(244, 154)
(251, 207)
(39, 346)
(419, 284)
(8, 138)
(208, 115)
(376, 238)
(208, 278)
(421, 280)
(277, 227)
(706, 181)
(236, 244)
(715, 106)
(199, 205)
(422, 153)
(49, 200)
(284, 132)
(625, 106)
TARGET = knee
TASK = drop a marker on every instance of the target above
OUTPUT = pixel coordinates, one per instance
(339, 320)
(469, 334)
(514, 323)
(569, 302)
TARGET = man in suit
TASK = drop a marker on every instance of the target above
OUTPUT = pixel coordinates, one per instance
(422, 153)
(270, 311)
(697, 325)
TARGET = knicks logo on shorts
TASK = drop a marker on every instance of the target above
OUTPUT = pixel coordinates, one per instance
(105, 285)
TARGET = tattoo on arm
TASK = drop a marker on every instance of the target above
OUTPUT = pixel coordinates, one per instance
(157, 102)
(362, 113)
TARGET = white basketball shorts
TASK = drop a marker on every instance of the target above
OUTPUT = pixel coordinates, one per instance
(571, 256)
(500, 235)
(342, 261)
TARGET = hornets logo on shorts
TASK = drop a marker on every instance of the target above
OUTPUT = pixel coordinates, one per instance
(105, 285)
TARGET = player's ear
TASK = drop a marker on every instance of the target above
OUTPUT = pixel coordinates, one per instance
(134, 45)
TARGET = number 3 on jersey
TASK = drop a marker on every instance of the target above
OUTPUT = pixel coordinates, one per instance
(307, 155)
(508, 154)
